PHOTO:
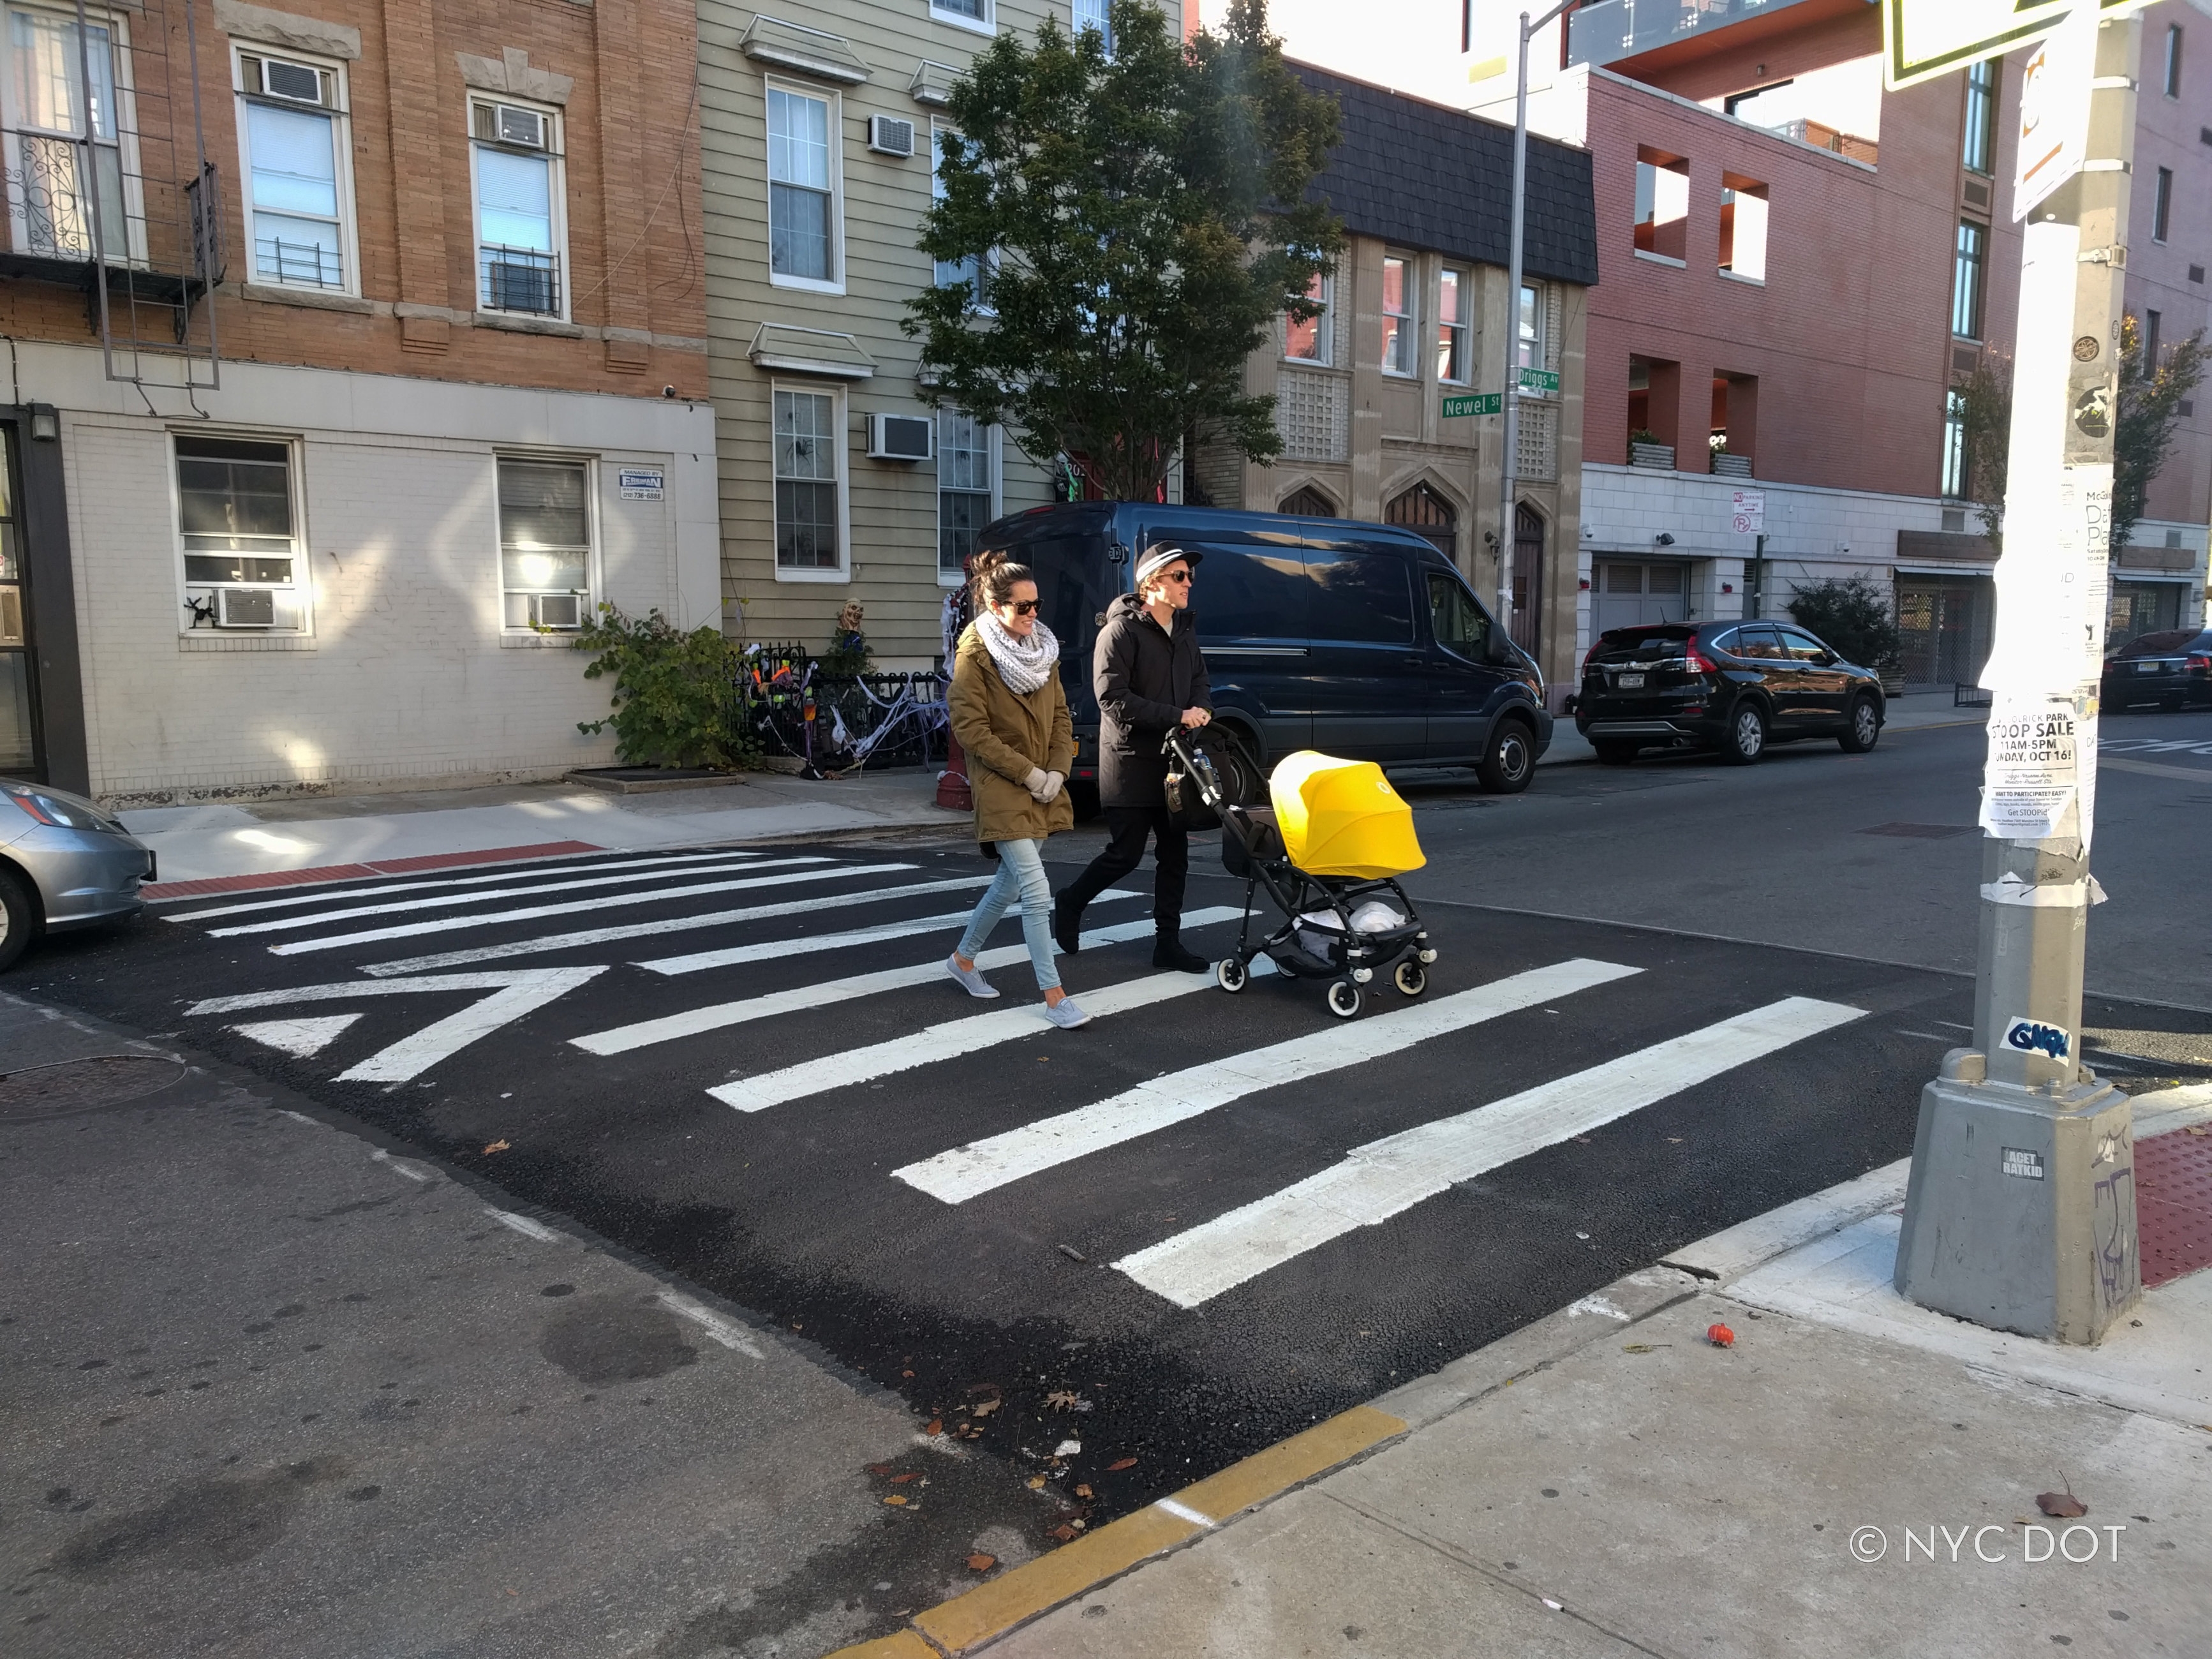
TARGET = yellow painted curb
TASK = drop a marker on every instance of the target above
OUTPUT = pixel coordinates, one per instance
(992, 1609)
(904, 1645)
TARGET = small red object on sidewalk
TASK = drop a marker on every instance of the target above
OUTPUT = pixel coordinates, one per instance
(953, 790)
(1720, 1336)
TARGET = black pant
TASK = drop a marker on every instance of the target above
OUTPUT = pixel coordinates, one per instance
(1126, 828)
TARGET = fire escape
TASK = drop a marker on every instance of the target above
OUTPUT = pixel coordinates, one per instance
(109, 187)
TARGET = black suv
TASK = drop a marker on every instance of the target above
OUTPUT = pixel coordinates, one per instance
(1734, 686)
(2172, 668)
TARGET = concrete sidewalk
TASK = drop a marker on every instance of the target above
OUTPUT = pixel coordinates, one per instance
(1854, 1475)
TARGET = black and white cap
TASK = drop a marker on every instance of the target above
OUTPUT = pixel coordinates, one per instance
(1158, 556)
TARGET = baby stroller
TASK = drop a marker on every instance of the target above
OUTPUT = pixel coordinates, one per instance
(1327, 850)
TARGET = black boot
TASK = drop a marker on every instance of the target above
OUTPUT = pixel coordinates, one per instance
(1067, 925)
(1167, 949)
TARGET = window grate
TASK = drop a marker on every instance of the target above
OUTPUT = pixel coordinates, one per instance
(1313, 413)
(521, 279)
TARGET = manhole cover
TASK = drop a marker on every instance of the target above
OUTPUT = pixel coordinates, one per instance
(83, 1086)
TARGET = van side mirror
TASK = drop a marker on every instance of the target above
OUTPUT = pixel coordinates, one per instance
(1500, 653)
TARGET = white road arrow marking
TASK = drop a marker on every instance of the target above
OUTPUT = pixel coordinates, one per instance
(297, 1036)
(515, 993)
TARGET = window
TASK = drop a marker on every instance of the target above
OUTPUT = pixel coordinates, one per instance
(298, 205)
(1097, 14)
(1398, 324)
(235, 519)
(2174, 60)
(1977, 150)
(1460, 626)
(1743, 227)
(809, 483)
(973, 270)
(967, 14)
(545, 543)
(2152, 322)
(1966, 275)
(1529, 349)
(802, 190)
(964, 493)
(1360, 596)
(48, 116)
(521, 228)
(1954, 445)
(2161, 205)
(1662, 204)
(1454, 295)
(1308, 341)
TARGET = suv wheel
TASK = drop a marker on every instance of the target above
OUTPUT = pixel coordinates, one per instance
(1747, 735)
(19, 919)
(1862, 728)
(1510, 761)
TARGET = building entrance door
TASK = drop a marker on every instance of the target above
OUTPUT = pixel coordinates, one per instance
(1528, 577)
(19, 724)
(1943, 627)
(1428, 515)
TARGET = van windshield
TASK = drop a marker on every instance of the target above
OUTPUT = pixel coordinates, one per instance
(1075, 584)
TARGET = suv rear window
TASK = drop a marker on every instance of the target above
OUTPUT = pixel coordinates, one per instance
(2167, 643)
(1627, 644)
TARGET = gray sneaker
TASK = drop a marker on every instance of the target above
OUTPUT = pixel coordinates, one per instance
(971, 979)
(1065, 1014)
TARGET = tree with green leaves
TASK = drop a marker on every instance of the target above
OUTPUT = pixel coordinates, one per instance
(2152, 387)
(1146, 220)
(1985, 420)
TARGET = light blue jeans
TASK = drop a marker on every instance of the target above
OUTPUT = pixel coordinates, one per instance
(1021, 875)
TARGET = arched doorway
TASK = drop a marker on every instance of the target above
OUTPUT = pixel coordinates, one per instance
(1528, 577)
(1424, 511)
(1307, 502)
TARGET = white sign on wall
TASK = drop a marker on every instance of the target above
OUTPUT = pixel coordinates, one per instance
(1747, 512)
(642, 483)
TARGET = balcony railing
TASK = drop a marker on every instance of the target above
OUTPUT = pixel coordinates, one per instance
(522, 279)
(50, 205)
(1614, 29)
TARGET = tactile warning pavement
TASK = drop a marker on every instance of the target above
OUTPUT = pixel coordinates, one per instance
(2173, 1204)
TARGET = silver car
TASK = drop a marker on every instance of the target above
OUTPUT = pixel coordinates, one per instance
(64, 864)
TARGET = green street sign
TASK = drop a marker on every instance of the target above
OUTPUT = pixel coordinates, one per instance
(1474, 402)
(1537, 380)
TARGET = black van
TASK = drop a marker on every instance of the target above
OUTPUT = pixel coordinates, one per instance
(1359, 640)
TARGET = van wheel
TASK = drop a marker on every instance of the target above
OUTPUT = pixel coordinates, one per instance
(1511, 760)
(1863, 730)
(1242, 785)
(1611, 751)
(1747, 735)
(19, 919)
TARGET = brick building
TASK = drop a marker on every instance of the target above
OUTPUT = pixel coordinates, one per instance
(355, 356)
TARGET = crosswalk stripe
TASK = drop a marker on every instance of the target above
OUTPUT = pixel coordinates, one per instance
(335, 895)
(798, 999)
(736, 954)
(523, 947)
(953, 1038)
(1385, 1177)
(969, 1171)
(285, 924)
(826, 872)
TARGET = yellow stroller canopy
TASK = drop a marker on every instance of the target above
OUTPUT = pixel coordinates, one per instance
(1342, 817)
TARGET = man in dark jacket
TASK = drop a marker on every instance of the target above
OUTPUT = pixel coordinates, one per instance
(1149, 678)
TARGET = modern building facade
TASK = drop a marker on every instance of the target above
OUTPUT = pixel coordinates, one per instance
(354, 356)
(1417, 312)
(837, 482)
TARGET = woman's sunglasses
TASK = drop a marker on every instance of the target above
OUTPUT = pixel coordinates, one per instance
(1022, 607)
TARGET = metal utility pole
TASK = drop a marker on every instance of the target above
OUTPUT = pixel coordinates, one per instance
(2020, 1214)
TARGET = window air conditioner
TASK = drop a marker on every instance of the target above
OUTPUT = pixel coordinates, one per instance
(245, 607)
(888, 136)
(506, 124)
(898, 438)
(295, 83)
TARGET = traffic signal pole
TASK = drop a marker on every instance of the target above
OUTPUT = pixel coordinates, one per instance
(2021, 1213)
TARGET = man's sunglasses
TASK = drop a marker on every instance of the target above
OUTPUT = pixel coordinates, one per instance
(1175, 576)
(1022, 607)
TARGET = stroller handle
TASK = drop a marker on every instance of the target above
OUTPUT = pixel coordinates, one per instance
(1178, 746)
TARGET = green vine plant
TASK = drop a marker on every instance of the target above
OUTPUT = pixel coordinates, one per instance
(674, 693)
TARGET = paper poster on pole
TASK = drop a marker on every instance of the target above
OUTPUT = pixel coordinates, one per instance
(2030, 785)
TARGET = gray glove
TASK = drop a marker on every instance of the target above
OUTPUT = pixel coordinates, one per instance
(1052, 783)
(1035, 783)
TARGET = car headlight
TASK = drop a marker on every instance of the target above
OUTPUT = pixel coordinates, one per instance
(51, 810)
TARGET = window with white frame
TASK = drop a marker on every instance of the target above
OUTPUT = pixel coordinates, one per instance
(967, 14)
(1530, 343)
(292, 153)
(1308, 341)
(803, 168)
(521, 221)
(238, 527)
(1453, 295)
(809, 444)
(974, 269)
(63, 107)
(1095, 15)
(545, 542)
(1954, 445)
(1398, 321)
(966, 489)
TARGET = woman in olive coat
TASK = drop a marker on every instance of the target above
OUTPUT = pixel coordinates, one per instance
(1010, 716)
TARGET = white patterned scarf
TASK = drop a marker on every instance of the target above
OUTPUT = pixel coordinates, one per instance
(1024, 664)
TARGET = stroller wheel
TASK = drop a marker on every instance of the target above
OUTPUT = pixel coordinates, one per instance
(1410, 978)
(1343, 999)
(1229, 974)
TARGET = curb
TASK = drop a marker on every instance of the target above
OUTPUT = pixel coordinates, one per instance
(1021, 1593)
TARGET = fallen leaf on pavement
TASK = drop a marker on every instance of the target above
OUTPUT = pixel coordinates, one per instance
(496, 1146)
(1079, 1523)
(2061, 1505)
(1121, 1463)
(1035, 1482)
(1646, 1347)
(901, 1480)
(906, 1373)
(1084, 1491)
(1062, 1400)
(1062, 1533)
(896, 1499)
(981, 1563)
(879, 1468)
(936, 1427)
(2199, 1129)
(984, 1408)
